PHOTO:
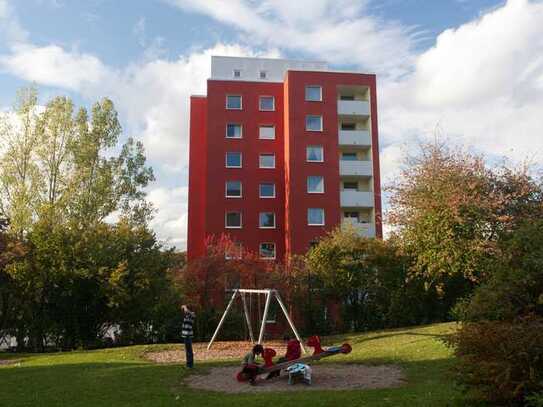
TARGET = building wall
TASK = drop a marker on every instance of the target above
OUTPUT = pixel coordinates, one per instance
(208, 175)
(197, 177)
(250, 174)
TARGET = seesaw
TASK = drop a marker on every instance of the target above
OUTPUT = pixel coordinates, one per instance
(318, 353)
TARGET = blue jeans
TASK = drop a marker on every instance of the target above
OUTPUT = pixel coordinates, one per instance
(188, 352)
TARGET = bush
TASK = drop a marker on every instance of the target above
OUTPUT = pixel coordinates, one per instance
(501, 361)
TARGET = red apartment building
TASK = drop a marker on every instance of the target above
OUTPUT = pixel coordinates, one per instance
(282, 152)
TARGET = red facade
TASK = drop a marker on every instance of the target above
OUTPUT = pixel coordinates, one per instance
(209, 145)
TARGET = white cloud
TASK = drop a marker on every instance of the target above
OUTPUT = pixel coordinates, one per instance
(171, 219)
(339, 31)
(53, 66)
(481, 83)
(10, 29)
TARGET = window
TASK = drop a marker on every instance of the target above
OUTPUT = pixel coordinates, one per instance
(233, 102)
(267, 103)
(266, 220)
(349, 157)
(315, 154)
(350, 185)
(237, 73)
(313, 123)
(315, 184)
(233, 189)
(346, 97)
(233, 159)
(313, 93)
(351, 215)
(315, 217)
(234, 130)
(348, 126)
(267, 161)
(267, 251)
(233, 220)
(266, 132)
(262, 75)
(267, 190)
(233, 251)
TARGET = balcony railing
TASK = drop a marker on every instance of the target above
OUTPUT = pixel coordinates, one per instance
(353, 107)
(356, 168)
(360, 138)
(365, 229)
(356, 199)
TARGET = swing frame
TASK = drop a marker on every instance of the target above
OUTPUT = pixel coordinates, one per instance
(270, 293)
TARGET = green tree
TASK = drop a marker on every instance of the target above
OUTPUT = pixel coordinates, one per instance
(449, 209)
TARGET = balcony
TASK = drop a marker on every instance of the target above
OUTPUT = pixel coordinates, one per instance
(356, 199)
(353, 107)
(359, 138)
(356, 168)
(364, 229)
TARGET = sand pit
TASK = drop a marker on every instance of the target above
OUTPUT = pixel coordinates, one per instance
(325, 377)
(219, 351)
(9, 361)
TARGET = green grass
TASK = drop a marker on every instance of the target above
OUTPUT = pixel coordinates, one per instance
(119, 377)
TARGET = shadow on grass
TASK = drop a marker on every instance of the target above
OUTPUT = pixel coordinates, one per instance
(144, 384)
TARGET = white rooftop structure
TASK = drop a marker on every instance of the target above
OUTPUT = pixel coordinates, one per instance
(259, 69)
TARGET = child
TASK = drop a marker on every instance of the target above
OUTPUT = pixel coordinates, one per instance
(187, 333)
(294, 351)
(249, 365)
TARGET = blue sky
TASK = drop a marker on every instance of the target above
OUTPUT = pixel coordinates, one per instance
(470, 68)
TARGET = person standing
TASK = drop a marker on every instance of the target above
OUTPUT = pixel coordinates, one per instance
(187, 333)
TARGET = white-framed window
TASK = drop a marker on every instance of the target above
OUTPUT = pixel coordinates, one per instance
(233, 189)
(315, 154)
(267, 251)
(232, 220)
(313, 123)
(315, 217)
(237, 73)
(313, 93)
(266, 103)
(267, 161)
(262, 74)
(233, 251)
(266, 220)
(266, 132)
(267, 190)
(315, 184)
(234, 130)
(233, 159)
(234, 102)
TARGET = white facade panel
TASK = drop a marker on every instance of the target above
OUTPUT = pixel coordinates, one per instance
(356, 199)
(356, 168)
(359, 138)
(251, 69)
(363, 228)
(353, 107)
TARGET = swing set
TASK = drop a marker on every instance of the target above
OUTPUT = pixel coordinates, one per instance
(269, 294)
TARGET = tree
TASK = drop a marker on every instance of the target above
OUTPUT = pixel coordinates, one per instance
(62, 178)
(368, 277)
(57, 166)
(449, 209)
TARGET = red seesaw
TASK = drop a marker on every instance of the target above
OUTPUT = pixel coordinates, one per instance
(318, 353)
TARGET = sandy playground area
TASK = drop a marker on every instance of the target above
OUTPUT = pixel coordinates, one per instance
(325, 376)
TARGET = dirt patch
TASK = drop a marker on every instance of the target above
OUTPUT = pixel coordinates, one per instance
(325, 377)
(219, 351)
(4, 362)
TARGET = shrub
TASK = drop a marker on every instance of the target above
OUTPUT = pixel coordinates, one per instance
(500, 361)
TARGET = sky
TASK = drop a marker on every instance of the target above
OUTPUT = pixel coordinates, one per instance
(469, 71)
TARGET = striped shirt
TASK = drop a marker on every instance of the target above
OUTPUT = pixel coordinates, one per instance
(188, 321)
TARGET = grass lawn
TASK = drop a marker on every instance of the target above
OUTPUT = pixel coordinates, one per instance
(119, 377)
